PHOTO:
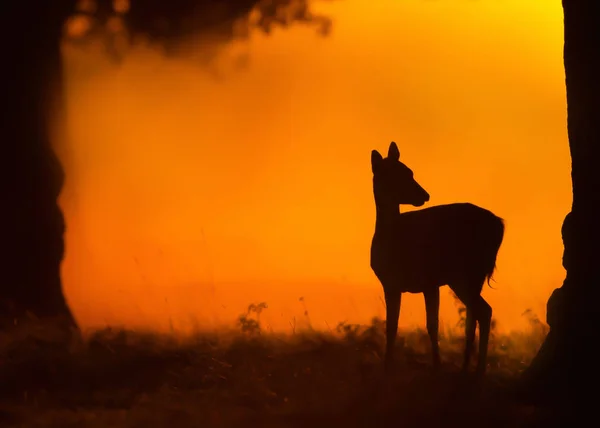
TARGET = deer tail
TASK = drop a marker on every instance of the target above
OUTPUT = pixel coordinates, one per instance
(494, 243)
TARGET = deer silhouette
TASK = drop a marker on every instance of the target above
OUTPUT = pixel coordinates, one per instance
(422, 250)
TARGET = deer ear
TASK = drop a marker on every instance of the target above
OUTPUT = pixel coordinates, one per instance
(376, 159)
(393, 151)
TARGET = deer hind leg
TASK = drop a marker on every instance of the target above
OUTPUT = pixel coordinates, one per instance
(393, 300)
(478, 310)
(432, 309)
(470, 326)
(483, 313)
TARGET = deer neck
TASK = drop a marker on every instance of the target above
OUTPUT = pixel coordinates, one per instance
(386, 218)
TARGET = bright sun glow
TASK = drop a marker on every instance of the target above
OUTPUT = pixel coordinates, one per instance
(189, 197)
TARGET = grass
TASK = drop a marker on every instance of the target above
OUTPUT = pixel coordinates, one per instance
(250, 378)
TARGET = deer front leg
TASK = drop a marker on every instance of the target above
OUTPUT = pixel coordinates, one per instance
(432, 309)
(392, 308)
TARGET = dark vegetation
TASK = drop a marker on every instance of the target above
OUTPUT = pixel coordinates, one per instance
(247, 377)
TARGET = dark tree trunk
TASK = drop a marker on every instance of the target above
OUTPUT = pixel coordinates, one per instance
(30, 175)
(566, 364)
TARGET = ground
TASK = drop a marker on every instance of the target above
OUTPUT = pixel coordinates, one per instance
(251, 378)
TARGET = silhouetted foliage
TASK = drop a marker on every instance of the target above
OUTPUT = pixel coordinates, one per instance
(172, 23)
(247, 323)
(119, 378)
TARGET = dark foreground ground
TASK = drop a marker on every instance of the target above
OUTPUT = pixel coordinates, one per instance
(249, 379)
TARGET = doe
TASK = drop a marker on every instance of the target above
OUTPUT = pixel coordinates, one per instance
(422, 250)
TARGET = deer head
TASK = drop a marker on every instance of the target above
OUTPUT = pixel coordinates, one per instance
(393, 182)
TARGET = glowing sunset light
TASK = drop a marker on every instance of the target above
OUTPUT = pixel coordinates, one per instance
(191, 194)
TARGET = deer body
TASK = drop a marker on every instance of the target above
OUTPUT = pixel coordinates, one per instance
(420, 251)
(436, 246)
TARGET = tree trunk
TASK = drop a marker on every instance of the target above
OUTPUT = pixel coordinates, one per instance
(30, 174)
(565, 364)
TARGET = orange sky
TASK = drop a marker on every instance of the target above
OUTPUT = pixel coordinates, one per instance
(189, 197)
